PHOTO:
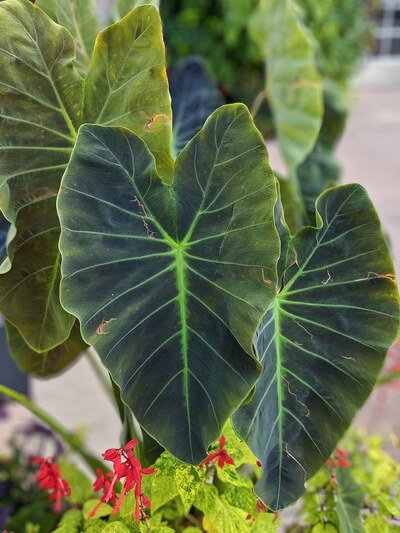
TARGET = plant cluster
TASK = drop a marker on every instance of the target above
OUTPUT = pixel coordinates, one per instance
(155, 231)
(358, 489)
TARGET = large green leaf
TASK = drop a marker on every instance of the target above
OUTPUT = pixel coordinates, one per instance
(127, 83)
(293, 84)
(40, 110)
(160, 275)
(80, 18)
(45, 363)
(322, 343)
(40, 102)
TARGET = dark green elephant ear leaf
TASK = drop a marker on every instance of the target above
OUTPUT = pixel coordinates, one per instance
(164, 278)
(40, 103)
(194, 97)
(48, 363)
(322, 343)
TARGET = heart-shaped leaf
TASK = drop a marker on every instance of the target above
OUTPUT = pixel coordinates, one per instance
(194, 97)
(294, 88)
(40, 103)
(160, 276)
(80, 19)
(322, 343)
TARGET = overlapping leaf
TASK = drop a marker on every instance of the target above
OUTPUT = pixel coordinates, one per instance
(40, 111)
(127, 83)
(322, 343)
(122, 7)
(160, 276)
(80, 18)
(293, 87)
(320, 168)
(40, 101)
(194, 97)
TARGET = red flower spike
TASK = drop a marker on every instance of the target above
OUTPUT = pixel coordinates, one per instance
(338, 460)
(130, 445)
(341, 452)
(221, 456)
(126, 466)
(49, 479)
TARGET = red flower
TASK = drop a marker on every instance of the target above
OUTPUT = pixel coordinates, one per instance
(337, 461)
(127, 466)
(220, 455)
(50, 479)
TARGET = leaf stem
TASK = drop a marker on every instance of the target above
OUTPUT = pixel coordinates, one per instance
(258, 100)
(70, 438)
(98, 371)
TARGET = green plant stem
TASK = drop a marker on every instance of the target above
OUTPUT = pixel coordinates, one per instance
(72, 440)
(98, 371)
(129, 430)
(258, 100)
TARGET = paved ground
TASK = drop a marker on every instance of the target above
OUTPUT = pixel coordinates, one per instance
(370, 152)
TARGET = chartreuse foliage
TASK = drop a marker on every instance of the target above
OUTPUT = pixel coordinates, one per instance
(367, 495)
(322, 343)
(293, 85)
(41, 100)
(194, 262)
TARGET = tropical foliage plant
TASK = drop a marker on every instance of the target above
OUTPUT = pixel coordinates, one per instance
(156, 232)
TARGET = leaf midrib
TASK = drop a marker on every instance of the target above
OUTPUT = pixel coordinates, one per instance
(181, 284)
(319, 240)
(280, 415)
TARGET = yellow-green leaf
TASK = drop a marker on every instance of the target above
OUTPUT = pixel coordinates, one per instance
(127, 83)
